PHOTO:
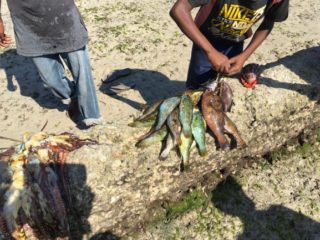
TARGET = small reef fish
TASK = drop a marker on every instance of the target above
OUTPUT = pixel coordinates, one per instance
(174, 125)
(218, 121)
(226, 96)
(199, 127)
(149, 110)
(166, 108)
(156, 136)
(185, 113)
(185, 150)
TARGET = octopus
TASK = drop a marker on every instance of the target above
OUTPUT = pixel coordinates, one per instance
(250, 75)
(37, 203)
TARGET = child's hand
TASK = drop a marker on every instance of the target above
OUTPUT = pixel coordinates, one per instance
(218, 61)
(234, 65)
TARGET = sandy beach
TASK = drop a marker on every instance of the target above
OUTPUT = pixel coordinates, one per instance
(142, 36)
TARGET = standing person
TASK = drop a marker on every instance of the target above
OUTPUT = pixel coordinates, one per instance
(50, 32)
(219, 31)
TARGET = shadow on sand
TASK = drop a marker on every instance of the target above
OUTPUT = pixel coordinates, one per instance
(152, 86)
(21, 69)
(149, 83)
(305, 64)
(276, 223)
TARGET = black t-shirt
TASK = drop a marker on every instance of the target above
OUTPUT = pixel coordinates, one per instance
(231, 20)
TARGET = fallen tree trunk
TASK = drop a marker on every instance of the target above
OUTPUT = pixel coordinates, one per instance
(118, 187)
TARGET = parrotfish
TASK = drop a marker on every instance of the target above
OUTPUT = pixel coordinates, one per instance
(174, 125)
(147, 121)
(185, 150)
(170, 144)
(186, 112)
(156, 136)
(218, 121)
(166, 108)
(226, 96)
(198, 127)
(149, 110)
(194, 95)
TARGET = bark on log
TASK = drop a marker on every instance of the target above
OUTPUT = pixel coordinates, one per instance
(116, 188)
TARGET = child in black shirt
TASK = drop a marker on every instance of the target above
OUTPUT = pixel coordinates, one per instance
(219, 30)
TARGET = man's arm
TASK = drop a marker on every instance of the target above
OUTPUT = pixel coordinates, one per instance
(181, 14)
(5, 40)
(260, 35)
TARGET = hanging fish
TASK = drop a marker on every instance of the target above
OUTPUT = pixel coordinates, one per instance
(185, 113)
(149, 110)
(147, 121)
(185, 150)
(173, 122)
(226, 96)
(214, 116)
(166, 108)
(156, 136)
(199, 127)
(170, 144)
(218, 121)
(194, 95)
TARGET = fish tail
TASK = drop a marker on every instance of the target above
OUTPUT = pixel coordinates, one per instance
(141, 144)
(163, 156)
(242, 144)
(186, 166)
(203, 151)
(224, 145)
(132, 124)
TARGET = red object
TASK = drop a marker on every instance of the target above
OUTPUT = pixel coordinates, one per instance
(248, 85)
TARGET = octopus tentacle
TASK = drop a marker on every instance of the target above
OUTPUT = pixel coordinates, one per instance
(26, 227)
(63, 172)
(4, 229)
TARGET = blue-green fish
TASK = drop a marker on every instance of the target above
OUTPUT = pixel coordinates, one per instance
(195, 96)
(185, 148)
(166, 108)
(198, 127)
(149, 110)
(185, 112)
(156, 136)
(145, 122)
(174, 125)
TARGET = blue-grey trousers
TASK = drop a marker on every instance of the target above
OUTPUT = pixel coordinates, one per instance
(52, 73)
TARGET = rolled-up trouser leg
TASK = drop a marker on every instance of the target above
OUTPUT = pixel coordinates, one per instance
(79, 64)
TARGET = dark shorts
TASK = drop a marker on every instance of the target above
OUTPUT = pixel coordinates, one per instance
(200, 69)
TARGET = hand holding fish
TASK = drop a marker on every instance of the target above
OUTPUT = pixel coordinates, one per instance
(218, 60)
(234, 65)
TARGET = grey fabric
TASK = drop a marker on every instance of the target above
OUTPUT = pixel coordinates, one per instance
(198, 3)
(47, 26)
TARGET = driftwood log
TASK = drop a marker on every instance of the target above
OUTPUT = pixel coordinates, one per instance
(117, 188)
